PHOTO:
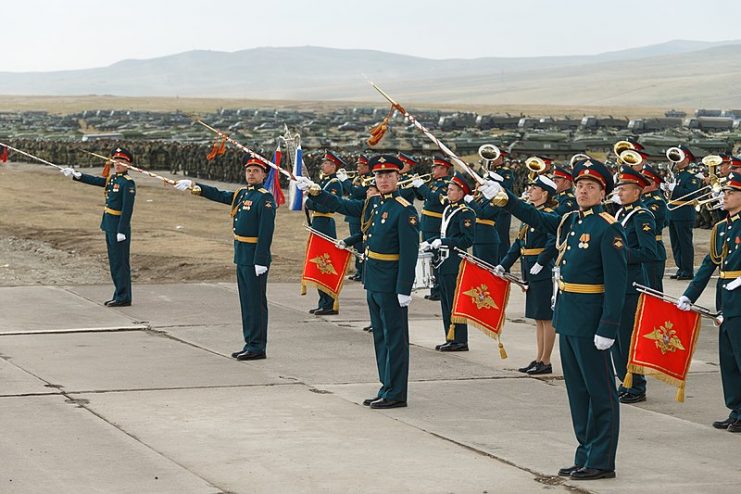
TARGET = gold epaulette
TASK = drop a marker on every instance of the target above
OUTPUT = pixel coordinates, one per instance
(128, 178)
(263, 190)
(548, 210)
(608, 217)
(403, 201)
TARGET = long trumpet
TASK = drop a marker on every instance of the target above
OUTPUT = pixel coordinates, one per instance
(578, 157)
(675, 155)
(622, 146)
(407, 182)
(536, 166)
(366, 181)
(350, 174)
(489, 152)
(630, 157)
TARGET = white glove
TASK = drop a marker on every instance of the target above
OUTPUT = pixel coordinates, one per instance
(496, 177)
(734, 284)
(70, 172)
(490, 189)
(260, 270)
(417, 183)
(602, 343)
(616, 199)
(684, 303)
(670, 186)
(341, 244)
(499, 270)
(341, 175)
(303, 183)
(435, 244)
(120, 237)
(404, 300)
(468, 198)
(537, 268)
(424, 246)
(183, 184)
(700, 176)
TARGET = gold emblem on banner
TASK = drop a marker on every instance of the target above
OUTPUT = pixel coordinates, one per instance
(666, 338)
(481, 297)
(324, 263)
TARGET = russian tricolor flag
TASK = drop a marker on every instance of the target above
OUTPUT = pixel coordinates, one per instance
(272, 183)
(296, 197)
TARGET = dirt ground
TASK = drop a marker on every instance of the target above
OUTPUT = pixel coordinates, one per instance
(49, 233)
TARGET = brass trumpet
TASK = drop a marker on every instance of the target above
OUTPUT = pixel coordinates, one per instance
(489, 152)
(407, 182)
(578, 157)
(350, 174)
(630, 157)
(675, 155)
(536, 166)
(366, 181)
(621, 146)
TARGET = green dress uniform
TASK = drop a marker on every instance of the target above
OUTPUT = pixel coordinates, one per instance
(655, 202)
(566, 202)
(432, 195)
(535, 246)
(504, 220)
(591, 284)
(640, 234)
(725, 254)
(120, 193)
(486, 245)
(356, 190)
(322, 220)
(682, 221)
(253, 223)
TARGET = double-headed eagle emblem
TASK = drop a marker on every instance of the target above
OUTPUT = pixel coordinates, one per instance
(481, 297)
(324, 264)
(666, 338)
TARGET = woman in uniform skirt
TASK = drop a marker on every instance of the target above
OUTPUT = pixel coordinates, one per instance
(537, 251)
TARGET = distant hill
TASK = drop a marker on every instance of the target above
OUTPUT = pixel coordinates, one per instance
(676, 73)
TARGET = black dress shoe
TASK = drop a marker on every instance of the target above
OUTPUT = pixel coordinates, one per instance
(567, 471)
(311, 311)
(541, 368)
(723, 424)
(629, 399)
(438, 347)
(251, 356)
(236, 354)
(384, 403)
(326, 312)
(674, 276)
(735, 427)
(367, 403)
(585, 473)
(434, 298)
(528, 366)
(684, 277)
(107, 302)
(368, 328)
(454, 347)
(119, 303)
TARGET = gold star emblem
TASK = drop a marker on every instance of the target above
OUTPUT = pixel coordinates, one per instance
(481, 297)
(324, 264)
(666, 338)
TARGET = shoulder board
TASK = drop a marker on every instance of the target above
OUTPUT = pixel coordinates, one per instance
(607, 217)
(465, 208)
(403, 201)
(263, 190)
(128, 178)
(570, 194)
(548, 210)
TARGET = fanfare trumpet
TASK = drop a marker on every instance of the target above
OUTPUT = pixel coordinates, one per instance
(630, 157)
(489, 152)
(536, 166)
(578, 157)
(675, 155)
(621, 146)
(407, 182)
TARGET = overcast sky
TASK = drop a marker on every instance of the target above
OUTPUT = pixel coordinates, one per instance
(40, 35)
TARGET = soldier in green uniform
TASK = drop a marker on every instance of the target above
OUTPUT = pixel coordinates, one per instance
(253, 213)
(536, 250)
(390, 260)
(457, 229)
(322, 220)
(120, 193)
(409, 162)
(654, 201)
(592, 274)
(640, 234)
(501, 167)
(564, 191)
(683, 215)
(433, 195)
(725, 254)
(486, 243)
(356, 190)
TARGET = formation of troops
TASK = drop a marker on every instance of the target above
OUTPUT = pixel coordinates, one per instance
(586, 236)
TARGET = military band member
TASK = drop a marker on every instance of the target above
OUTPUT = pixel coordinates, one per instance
(592, 278)
(486, 243)
(391, 257)
(536, 250)
(564, 191)
(457, 229)
(409, 163)
(356, 190)
(725, 254)
(501, 167)
(640, 234)
(683, 215)
(322, 220)
(120, 193)
(253, 211)
(654, 201)
(433, 195)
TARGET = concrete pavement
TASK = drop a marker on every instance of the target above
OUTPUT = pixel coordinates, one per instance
(146, 399)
